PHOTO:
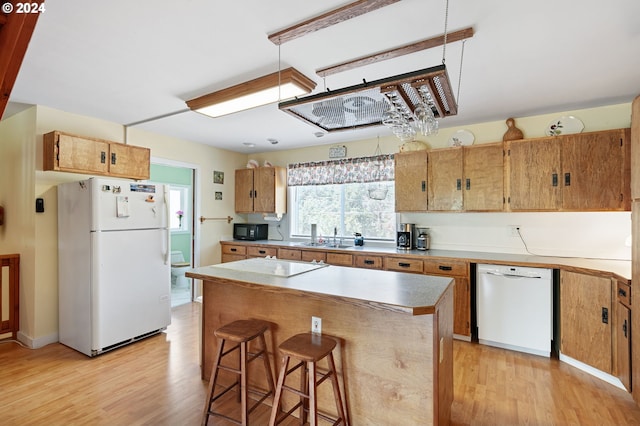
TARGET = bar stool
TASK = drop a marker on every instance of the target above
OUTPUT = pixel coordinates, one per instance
(241, 332)
(308, 348)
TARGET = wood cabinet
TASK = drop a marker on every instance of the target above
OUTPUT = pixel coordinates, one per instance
(459, 271)
(233, 252)
(311, 255)
(585, 319)
(367, 261)
(466, 178)
(289, 254)
(340, 259)
(622, 334)
(411, 181)
(403, 264)
(635, 151)
(261, 251)
(581, 172)
(78, 154)
(261, 190)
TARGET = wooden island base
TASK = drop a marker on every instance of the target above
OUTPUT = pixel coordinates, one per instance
(397, 368)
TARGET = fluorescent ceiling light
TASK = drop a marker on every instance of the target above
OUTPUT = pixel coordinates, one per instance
(281, 85)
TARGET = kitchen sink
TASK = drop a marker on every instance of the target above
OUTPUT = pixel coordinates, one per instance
(325, 245)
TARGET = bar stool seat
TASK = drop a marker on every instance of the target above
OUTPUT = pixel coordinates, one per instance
(308, 349)
(241, 332)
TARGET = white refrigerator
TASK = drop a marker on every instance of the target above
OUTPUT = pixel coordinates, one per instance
(114, 268)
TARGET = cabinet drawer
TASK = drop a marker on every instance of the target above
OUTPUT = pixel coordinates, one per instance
(234, 249)
(403, 264)
(289, 254)
(261, 251)
(624, 294)
(372, 262)
(448, 268)
(340, 259)
(310, 255)
(232, 257)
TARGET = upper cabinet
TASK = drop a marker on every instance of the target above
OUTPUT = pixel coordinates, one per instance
(78, 154)
(411, 181)
(466, 178)
(261, 190)
(635, 149)
(581, 172)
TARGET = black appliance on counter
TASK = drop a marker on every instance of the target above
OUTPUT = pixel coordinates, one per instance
(250, 231)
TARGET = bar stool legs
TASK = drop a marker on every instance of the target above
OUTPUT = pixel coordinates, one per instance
(307, 349)
(241, 332)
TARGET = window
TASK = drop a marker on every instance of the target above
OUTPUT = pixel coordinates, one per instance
(180, 216)
(335, 195)
(346, 207)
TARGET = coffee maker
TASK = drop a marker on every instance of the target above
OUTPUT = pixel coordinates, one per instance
(423, 242)
(406, 237)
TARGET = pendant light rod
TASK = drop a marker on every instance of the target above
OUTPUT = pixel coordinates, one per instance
(446, 22)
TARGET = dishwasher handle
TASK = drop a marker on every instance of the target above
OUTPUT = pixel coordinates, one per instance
(500, 274)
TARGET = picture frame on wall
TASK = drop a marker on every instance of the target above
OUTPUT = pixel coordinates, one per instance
(218, 177)
(218, 195)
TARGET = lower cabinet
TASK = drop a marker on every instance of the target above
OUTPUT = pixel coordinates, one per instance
(622, 334)
(586, 318)
(233, 252)
(459, 271)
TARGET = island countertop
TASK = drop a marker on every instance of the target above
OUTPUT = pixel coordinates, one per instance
(394, 291)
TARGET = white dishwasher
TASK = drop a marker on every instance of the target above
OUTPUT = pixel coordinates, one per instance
(514, 308)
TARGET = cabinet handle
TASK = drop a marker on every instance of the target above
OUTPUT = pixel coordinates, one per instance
(233, 249)
(368, 262)
(250, 193)
(103, 157)
(605, 315)
(567, 179)
(468, 184)
(255, 194)
(444, 268)
(554, 179)
(624, 328)
(113, 158)
(622, 292)
(458, 184)
(261, 251)
(424, 186)
(404, 265)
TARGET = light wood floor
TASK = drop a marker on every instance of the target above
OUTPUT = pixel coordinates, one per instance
(157, 382)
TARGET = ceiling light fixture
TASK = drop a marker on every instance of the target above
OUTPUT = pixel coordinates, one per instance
(285, 84)
(367, 104)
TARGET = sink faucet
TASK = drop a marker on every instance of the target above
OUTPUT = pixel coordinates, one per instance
(335, 236)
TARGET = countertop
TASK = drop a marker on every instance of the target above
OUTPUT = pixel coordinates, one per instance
(618, 268)
(414, 294)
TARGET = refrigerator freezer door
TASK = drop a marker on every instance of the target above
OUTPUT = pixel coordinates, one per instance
(131, 285)
(122, 204)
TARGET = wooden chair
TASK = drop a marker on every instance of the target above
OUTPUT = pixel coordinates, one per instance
(241, 332)
(308, 349)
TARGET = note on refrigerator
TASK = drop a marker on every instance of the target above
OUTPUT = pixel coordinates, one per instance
(122, 206)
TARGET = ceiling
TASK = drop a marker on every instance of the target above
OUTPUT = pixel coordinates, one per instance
(132, 61)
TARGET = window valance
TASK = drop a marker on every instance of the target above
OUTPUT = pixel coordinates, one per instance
(348, 170)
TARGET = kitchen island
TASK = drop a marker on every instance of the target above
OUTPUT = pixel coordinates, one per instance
(394, 330)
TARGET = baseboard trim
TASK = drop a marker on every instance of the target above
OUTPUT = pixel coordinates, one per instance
(593, 371)
(38, 342)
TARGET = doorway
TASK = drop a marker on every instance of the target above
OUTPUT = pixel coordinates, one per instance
(181, 180)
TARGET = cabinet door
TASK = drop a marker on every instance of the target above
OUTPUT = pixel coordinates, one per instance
(244, 191)
(264, 190)
(483, 180)
(411, 181)
(534, 174)
(594, 171)
(623, 345)
(585, 317)
(129, 161)
(635, 148)
(445, 179)
(461, 307)
(77, 154)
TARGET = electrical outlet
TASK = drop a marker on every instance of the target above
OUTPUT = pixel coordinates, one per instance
(316, 325)
(515, 230)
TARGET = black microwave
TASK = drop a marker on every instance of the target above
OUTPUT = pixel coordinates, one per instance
(250, 231)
